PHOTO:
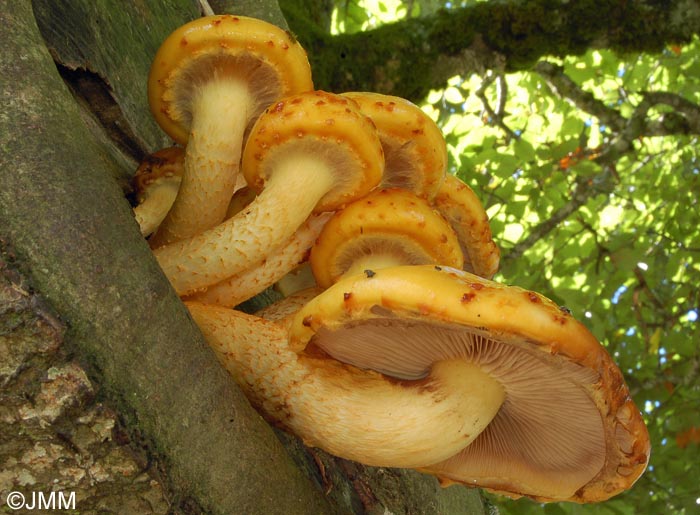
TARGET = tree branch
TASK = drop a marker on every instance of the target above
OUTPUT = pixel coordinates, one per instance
(73, 232)
(584, 189)
(565, 88)
(410, 57)
(685, 119)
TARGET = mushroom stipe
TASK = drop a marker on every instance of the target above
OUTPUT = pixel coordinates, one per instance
(356, 414)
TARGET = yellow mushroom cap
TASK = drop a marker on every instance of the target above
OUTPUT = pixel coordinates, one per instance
(156, 184)
(166, 163)
(414, 147)
(324, 126)
(393, 225)
(219, 45)
(460, 206)
(568, 428)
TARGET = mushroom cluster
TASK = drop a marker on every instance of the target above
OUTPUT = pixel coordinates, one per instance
(396, 348)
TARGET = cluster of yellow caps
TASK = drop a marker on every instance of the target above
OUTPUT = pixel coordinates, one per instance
(398, 350)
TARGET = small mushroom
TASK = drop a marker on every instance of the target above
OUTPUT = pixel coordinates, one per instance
(312, 152)
(156, 182)
(355, 414)
(460, 206)
(567, 429)
(388, 227)
(415, 151)
(209, 80)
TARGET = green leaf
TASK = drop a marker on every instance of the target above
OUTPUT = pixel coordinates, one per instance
(523, 150)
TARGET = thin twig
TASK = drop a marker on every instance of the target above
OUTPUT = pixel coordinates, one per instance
(205, 8)
(495, 116)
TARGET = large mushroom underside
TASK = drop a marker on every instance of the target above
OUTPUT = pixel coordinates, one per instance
(567, 429)
(527, 448)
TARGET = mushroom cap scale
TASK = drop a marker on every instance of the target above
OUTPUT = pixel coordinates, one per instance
(323, 125)
(568, 429)
(414, 147)
(392, 226)
(223, 44)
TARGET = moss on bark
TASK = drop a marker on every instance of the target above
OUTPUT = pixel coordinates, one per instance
(410, 57)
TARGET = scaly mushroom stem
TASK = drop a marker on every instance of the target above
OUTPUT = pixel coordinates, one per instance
(220, 112)
(288, 199)
(241, 287)
(352, 413)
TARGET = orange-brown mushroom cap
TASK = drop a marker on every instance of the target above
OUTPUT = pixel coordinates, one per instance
(327, 127)
(211, 45)
(568, 429)
(414, 147)
(387, 227)
(460, 206)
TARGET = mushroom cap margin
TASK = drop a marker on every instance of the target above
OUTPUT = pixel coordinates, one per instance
(458, 203)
